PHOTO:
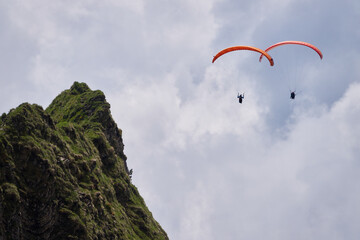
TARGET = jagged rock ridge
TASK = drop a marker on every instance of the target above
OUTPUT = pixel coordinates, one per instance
(63, 173)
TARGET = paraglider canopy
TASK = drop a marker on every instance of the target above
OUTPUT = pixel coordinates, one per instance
(236, 48)
(293, 42)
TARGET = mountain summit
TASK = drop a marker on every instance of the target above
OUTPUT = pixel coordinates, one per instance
(63, 173)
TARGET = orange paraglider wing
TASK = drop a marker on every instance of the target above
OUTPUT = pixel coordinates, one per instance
(293, 42)
(236, 48)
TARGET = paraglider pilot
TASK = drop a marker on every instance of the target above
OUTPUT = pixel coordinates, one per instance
(241, 97)
(292, 95)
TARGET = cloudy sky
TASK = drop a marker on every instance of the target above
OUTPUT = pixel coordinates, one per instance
(207, 166)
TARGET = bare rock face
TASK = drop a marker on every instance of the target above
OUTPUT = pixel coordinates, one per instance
(63, 173)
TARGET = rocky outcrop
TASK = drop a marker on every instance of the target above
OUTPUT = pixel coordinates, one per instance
(63, 173)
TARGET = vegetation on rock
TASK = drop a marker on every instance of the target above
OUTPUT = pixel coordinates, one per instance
(63, 173)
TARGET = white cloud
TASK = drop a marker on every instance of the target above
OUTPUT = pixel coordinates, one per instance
(300, 187)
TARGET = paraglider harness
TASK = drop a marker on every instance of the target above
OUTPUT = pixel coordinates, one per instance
(240, 97)
(292, 94)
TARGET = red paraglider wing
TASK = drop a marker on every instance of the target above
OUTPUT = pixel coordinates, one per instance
(230, 49)
(293, 42)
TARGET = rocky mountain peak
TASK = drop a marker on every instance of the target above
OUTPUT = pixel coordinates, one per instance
(63, 173)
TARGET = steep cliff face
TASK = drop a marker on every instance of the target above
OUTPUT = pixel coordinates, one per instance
(63, 173)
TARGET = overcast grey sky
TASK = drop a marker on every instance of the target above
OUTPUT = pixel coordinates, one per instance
(208, 167)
